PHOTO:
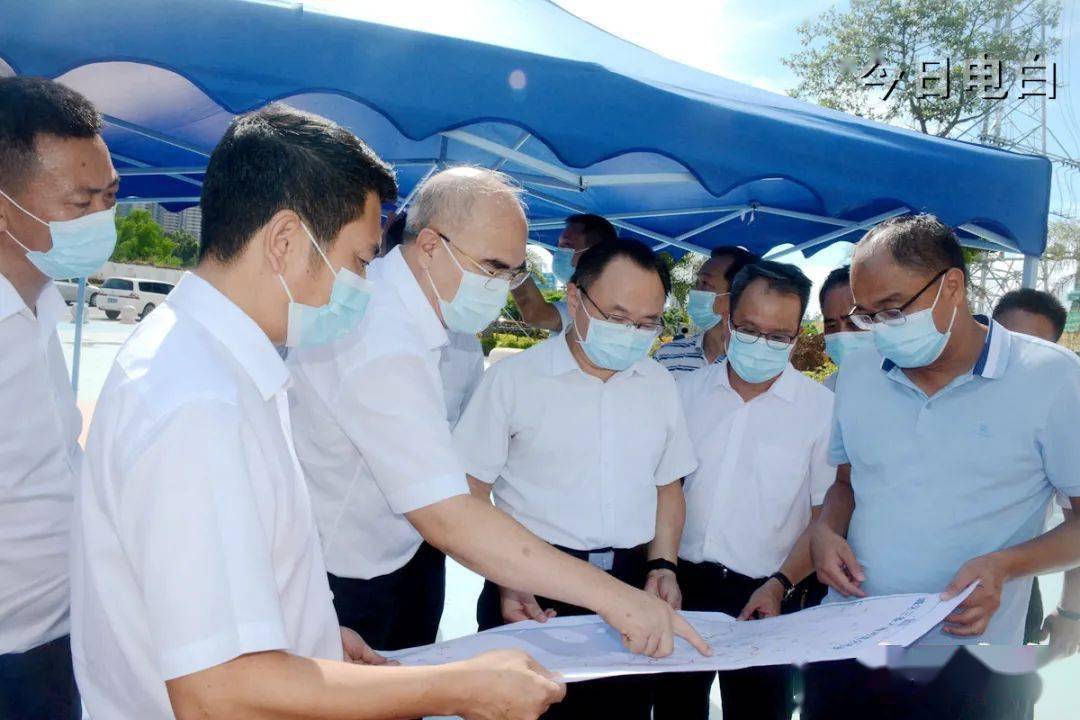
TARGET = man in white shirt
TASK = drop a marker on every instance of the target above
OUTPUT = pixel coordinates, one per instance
(582, 440)
(198, 584)
(55, 173)
(372, 436)
(761, 432)
(707, 306)
(581, 233)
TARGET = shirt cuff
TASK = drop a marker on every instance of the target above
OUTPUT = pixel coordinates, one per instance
(209, 652)
(421, 494)
(666, 479)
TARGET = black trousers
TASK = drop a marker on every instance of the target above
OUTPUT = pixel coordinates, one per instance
(620, 698)
(964, 689)
(1036, 612)
(39, 684)
(759, 692)
(399, 610)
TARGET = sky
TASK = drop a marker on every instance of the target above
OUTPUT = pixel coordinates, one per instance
(745, 40)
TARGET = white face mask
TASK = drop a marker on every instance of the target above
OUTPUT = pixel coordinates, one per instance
(79, 247)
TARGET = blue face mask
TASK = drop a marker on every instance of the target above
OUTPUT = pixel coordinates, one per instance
(309, 326)
(79, 247)
(562, 264)
(754, 361)
(699, 307)
(839, 345)
(613, 346)
(477, 302)
(915, 343)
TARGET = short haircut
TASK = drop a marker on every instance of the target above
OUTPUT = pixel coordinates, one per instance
(31, 107)
(838, 277)
(780, 277)
(1035, 302)
(394, 234)
(920, 242)
(740, 258)
(279, 158)
(592, 262)
(595, 228)
(446, 199)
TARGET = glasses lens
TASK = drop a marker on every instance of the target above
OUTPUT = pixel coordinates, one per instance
(861, 321)
(892, 317)
(746, 337)
(778, 342)
(517, 278)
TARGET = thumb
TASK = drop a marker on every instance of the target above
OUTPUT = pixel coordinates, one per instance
(534, 611)
(961, 580)
(747, 611)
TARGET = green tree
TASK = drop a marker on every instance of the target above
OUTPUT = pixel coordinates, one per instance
(139, 239)
(187, 247)
(839, 46)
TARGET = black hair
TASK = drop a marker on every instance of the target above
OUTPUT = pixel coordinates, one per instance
(593, 261)
(740, 258)
(839, 276)
(780, 277)
(921, 242)
(596, 229)
(279, 158)
(1035, 302)
(394, 234)
(33, 106)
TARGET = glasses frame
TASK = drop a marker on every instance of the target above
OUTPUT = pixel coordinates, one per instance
(515, 276)
(776, 341)
(891, 316)
(654, 327)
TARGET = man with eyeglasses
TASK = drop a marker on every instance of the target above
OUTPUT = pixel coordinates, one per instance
(582, 440)
(760, 430)
(372, 436)
(707, 306)
(957, 438)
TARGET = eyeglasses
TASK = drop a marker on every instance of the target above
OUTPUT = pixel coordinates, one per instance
(777, 341)
(653, 327)
(892, 316)
(514, 276)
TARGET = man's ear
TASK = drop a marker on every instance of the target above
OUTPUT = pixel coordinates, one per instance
(573, 298)
(278, 240)
(722, 305)
(955, 283)
(426, 243)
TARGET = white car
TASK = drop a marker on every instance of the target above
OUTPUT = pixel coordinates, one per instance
(69, 290)
(143, 295)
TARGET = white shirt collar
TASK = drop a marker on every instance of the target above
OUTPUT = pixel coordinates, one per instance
(234, 329)
(393, 270)
(563, 361)
(785, 387)
(51, 308)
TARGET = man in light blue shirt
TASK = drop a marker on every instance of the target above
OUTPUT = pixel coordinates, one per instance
(957, 436)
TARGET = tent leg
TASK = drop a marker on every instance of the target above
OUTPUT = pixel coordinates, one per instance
(1031, 267)
(80, 308)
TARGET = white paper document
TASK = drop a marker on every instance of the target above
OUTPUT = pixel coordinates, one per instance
(584, 648)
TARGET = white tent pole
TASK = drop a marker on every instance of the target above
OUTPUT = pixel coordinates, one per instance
(516, 155)
(830, 236)
(416, 188)
(154, 135)
(520, 143)
(76, 351)
(990, 236)
(707, 226)
(652, 235)
(141, 164)
(1031, 268)
(169, 199)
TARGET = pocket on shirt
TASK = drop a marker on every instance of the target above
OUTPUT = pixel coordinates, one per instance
(780, 479)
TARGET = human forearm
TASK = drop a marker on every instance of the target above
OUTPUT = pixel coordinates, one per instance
(491, 543)
(282, 686)
(670, 516)
(839, 503)
(535, 310)
(1053, 551)
(798, 565)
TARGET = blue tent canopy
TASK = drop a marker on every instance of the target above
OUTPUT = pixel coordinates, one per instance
(584, 120)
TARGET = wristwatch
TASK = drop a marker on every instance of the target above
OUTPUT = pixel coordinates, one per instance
(785, 581)
(661, 564)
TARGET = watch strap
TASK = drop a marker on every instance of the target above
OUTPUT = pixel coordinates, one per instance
(661, 564)
(785, 581)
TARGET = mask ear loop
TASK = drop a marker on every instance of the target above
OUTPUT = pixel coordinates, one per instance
(27, 212)
(319, 250)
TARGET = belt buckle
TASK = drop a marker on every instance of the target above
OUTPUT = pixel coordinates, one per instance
(604, 560)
